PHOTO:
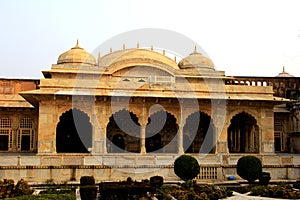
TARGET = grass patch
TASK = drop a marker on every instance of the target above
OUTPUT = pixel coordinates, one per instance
(46, 197)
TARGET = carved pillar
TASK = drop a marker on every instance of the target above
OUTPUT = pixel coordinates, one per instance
(102, 115)
(180, 139)
(104, 134)
(143, 138)
(143, 123)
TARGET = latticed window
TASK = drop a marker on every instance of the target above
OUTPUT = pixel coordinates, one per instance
(6, 138)
(26, 135)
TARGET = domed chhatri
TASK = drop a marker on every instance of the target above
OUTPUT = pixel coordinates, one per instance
(196, 60)
(284, 73)
(77, 56)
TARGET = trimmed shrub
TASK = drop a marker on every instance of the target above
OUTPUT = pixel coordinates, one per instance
(249, 168)
(186, 167)
(279, 191)
(88, 189)
(197, 192)
(297, 184)
(87, 180)
(265, 178)
(129, 179)
(88, 192)
(156, 181)
(22, 188)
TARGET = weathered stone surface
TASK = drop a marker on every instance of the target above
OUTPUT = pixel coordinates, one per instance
(9, 161)
(125, 161)
(93, 160)
(51, 161)
(287, 160)
(30, 161)
(165, 160)
(73, 160)
(270, 160)
(145, 160)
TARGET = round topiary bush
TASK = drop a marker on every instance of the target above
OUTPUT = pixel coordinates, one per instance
(249, 168)
(186, 167)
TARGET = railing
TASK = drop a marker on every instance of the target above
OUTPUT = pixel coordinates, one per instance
(207, 173)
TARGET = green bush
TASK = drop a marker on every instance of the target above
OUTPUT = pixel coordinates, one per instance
(279, 191)
(265, 178)
(186, 167)
(88, 189)
(87, 180)
(6, 188)
(212, 192)
(129, 179)
(297, 184)
(46, 197)
(197, 192)
(88, 192)
(22, 188)
(249, 168)
(156, 181)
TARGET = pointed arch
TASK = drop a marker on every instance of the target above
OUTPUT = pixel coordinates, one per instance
(199, 133)
(73, 132)
(123, 133)
(161, 133)
(243, 134)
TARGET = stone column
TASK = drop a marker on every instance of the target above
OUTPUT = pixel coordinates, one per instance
(104, 144)
(104, 134)
(102, 119)
(143, 124)
(14, 127)
(143, 138)
(180, 139)
(48, 118)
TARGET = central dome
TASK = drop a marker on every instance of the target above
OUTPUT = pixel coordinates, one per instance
(196, 60)
(77, 56)
(137, 57)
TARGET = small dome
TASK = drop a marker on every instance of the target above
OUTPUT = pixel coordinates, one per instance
(284, 74)
(77, 56)
(196, 60)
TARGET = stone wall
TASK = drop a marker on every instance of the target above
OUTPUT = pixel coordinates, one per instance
(65, 168)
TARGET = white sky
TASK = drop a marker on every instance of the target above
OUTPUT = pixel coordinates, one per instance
(242, 37)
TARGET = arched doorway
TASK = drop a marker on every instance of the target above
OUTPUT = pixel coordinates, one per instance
(123, 133)
(243, 134)
(73, 132)
(159, 136)
(199, 134)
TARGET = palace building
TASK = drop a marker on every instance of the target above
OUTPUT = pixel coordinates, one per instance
(132, 112)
